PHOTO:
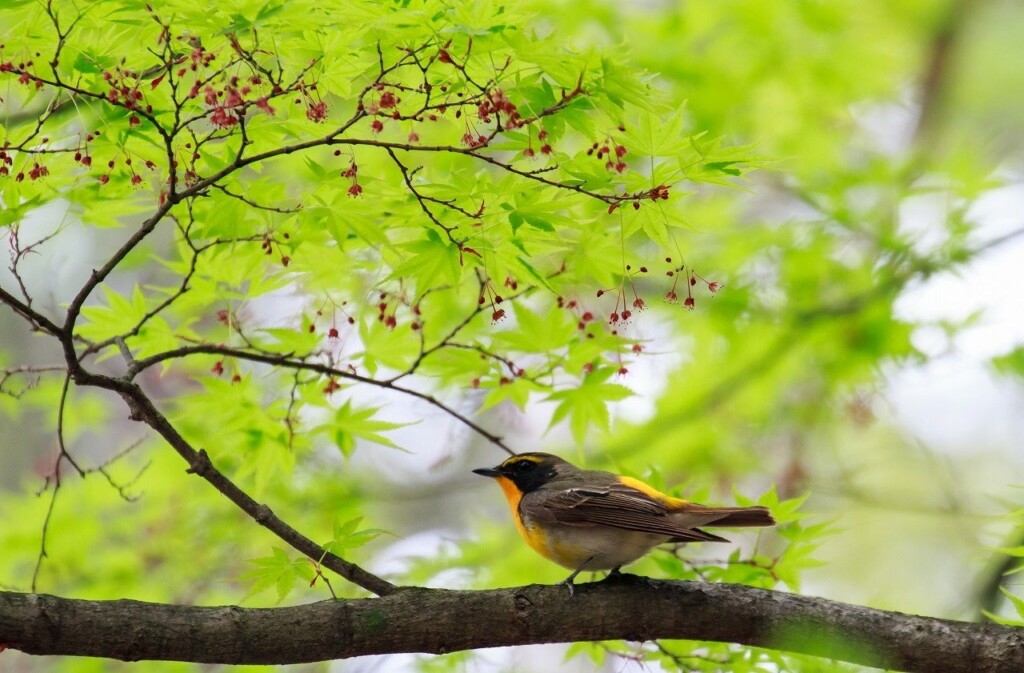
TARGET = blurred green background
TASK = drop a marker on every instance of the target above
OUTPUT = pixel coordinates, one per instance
(865, 348)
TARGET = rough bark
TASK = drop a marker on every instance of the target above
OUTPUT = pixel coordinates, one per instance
(439, 621)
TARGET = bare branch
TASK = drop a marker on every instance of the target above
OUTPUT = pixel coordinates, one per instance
(249, 202)
(35, 318)
(55, 483)
(64, 455)
(122, 489)
(30, 371)
(420, 198)
(289, 362)
(143, 409)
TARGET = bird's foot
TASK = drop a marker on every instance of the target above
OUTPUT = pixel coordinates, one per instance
(614, 575)
(568, 580)
(617, 576)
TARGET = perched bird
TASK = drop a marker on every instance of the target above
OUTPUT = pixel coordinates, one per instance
(594, 520)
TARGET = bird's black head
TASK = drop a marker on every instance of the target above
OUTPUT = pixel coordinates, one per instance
(528, 471)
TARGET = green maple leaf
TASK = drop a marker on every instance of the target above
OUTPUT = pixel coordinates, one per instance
(587, 405)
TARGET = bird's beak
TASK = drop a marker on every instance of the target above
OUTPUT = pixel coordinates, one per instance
(488, 472)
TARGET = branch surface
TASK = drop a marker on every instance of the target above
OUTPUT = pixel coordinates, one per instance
(441, 621)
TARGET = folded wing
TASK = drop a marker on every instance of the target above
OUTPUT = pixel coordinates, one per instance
(621, 506)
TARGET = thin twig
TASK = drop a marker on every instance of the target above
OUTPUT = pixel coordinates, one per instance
(289, 362)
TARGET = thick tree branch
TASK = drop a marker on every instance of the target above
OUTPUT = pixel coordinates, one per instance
(440, 621)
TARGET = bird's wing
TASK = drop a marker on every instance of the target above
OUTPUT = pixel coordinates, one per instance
(618, 506)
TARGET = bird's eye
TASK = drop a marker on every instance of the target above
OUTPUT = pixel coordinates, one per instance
(525, 466)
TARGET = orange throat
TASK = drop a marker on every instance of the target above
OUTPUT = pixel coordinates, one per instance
(514, 495)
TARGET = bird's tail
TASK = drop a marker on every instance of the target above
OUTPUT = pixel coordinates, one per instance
(729, 516)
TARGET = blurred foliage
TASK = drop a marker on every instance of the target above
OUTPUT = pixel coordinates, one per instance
(854, 111)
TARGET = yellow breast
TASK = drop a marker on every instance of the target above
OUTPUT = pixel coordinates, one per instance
(557, 550)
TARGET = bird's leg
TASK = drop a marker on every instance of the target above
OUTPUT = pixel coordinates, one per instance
(568, 580)
(614, 574)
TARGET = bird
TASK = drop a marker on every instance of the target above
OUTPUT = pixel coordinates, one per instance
(595, 520)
